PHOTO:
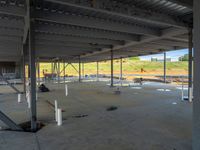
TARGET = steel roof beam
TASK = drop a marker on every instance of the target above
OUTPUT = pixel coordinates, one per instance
(185, 3)
(178, 39)
(86, 32)
(12, 23)
(62, 48)
(71, 44)
(165, 34)
(12, 10)
(10, 32)
(43, 53)
(171, 43)
(95, 23)
(15, 39)
(129, 12)
(77, 39)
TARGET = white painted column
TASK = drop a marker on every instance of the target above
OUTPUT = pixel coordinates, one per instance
(196, 101)
(66, 89)
(56, 110)
(164, 68)
(19, 98)
(59, 117)
(190, 66)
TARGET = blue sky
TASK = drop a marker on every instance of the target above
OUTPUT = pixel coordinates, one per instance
(174, 55)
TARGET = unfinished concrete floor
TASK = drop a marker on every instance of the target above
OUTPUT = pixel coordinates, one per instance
(146, 119)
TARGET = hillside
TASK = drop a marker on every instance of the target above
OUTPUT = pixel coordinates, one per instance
(129, 67)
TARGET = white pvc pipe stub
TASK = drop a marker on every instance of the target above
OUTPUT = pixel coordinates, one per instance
(19, 98)
(66, 90)
(59, 117)
(56, 110)
(29, 100)
(191, 94)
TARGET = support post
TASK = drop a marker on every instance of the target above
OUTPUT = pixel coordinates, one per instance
(97, 71)
(83, 70)
(190, 65)
(58, 71)
(79, 69)
(30, 10)
(24, 68)
(121, 72)
(196, 101)
(38, 71)
(164, 76)
(64, 71)
(52, 72)
(111, 68)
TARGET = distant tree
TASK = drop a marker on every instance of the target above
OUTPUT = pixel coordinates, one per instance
(183, 58)
(134, 58)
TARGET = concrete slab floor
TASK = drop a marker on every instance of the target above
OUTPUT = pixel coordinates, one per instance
(146, 119)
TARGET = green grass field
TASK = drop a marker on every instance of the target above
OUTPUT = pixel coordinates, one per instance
(129, 67)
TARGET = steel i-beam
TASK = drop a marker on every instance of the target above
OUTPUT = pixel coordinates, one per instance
(32, 63)
(97, 71)
(196, 101)
(164, 76)
(79, 69)
(190, 66)
(111, 68)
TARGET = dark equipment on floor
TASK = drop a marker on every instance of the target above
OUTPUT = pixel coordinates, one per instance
(43, 88)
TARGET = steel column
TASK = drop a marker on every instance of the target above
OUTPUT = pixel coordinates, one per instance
(64, 71)
(190, 65)
(58, 71)
(30, 10)
(38, 71)
(111, 68)
(79, 69)
(196, 100)
(97, 71)
(164, 76)
(121, 72)
(52, 71)
(24, 67)
(83, 70)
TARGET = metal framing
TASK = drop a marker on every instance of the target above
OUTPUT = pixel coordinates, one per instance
(32, 64)
(83, 71)
(58, 72)
(196, 101)
(190, 66)
(111, 69)
(88, 31)
(97, 71)
(38, 72)
(121, 71)
(79, 70)
(24, 66)
(64, 67)
(164, 68)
